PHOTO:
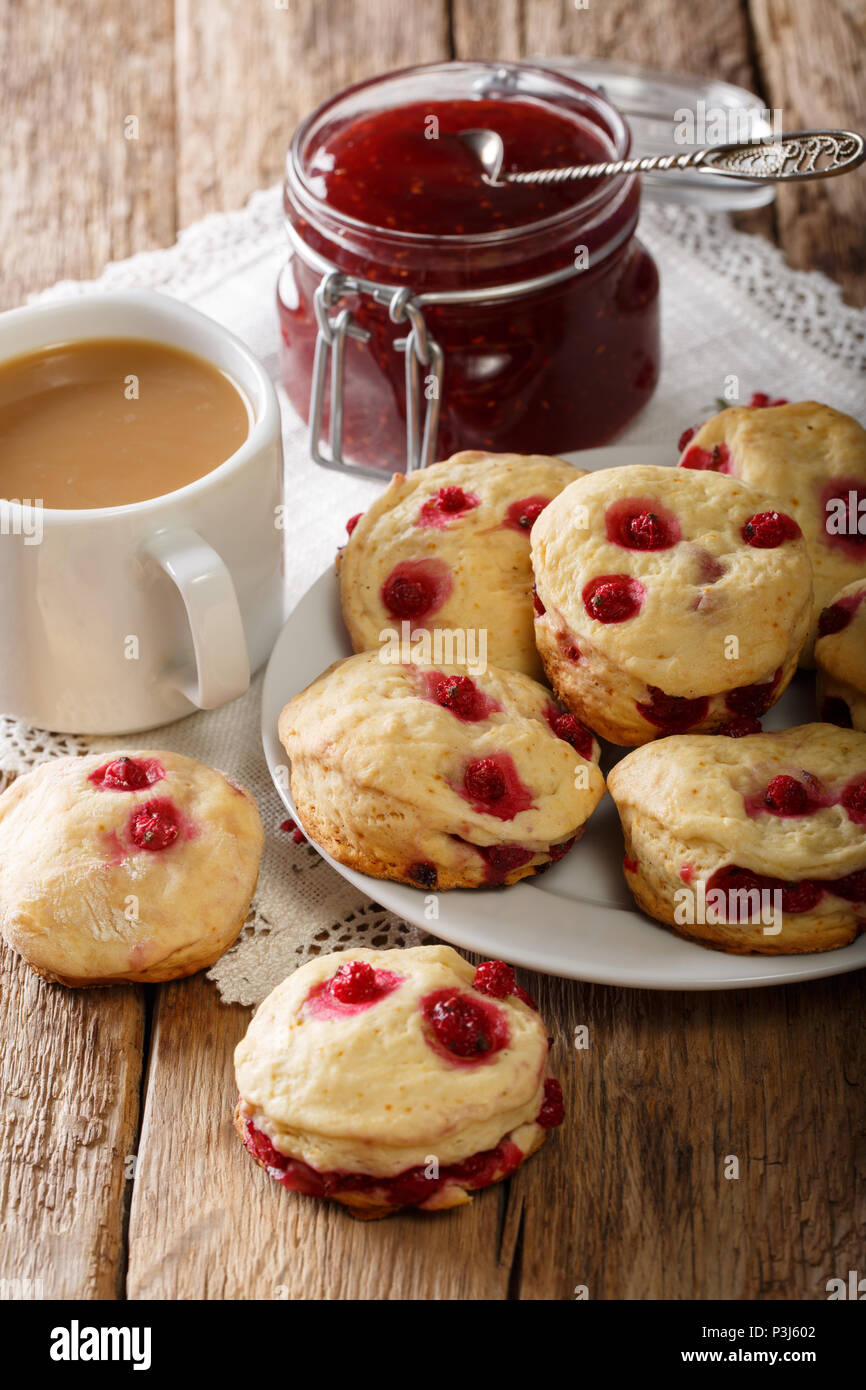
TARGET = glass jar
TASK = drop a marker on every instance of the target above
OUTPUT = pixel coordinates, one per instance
(423, 312)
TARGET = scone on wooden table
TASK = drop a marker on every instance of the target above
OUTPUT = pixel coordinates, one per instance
(840, 655)
(138, 865)
(436, 778)
(755, 845)
(448, 547)
(812, 460)
(389, 1079)
(668, 601)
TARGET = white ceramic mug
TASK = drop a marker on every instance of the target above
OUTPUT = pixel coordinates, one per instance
(116, 619)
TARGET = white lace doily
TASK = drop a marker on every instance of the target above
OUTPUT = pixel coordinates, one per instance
(731, 307)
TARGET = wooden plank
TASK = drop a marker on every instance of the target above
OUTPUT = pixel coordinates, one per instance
(74, 191)
(631, 1199)
(246, 76)
(206, 1222)
(69, 1077)
(715, 41)
(811, 58)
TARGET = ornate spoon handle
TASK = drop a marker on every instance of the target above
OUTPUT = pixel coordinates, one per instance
(799, 154)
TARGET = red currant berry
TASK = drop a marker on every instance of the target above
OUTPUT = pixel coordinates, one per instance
(523, 514)
(461, 1026)
(127, 774)
(452, 499)
(448, 501)
(495, 978)
(715, 460)
(753, 699)
(613, 598)
(767, 530)
(154, 825)
(834, 619)
(558, 852)
(800, 897)
(570, 730)
(552, 1112)
(504, 859)
(738, 886)
(261, 1148)
(852, 887)
(354, 982)
(637, 523)
(406, 598)
(484, 781)
(647, 532)
(423, 873)
(674, 713)
(416, 588)
(530, 514)
(787, 796)
(854, 799)
(461, 695)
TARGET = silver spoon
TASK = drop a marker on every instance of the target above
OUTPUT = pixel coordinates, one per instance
(798, 154)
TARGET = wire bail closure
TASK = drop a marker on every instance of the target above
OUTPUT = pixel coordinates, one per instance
(420, 348)
(420, 351)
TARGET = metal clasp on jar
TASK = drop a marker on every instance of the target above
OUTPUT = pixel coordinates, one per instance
(421, 351)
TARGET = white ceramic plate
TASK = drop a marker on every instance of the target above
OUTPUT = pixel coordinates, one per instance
(577, 918)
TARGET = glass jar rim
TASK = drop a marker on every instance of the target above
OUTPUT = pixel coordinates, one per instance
(581, 213)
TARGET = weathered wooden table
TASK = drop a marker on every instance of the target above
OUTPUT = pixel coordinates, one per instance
(120, 1172)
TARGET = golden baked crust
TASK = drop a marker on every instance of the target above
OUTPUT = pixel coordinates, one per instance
(692, 806)
(366, 1090)
(484, 554)
(378, 768)
(714, 617)
(389, 861)
(795, 453)
(86, 905)
(840, 656)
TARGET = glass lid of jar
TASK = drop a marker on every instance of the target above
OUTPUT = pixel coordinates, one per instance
(671, 113)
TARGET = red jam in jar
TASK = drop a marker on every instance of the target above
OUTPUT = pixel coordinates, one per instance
(380, 187)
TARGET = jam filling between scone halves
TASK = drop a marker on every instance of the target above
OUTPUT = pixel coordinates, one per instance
(459, 1027)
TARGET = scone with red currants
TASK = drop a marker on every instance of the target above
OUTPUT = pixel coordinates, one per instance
(435, 778)
(811, 460)
(136, 866)
(668, 601)
(447, 549)
(755, 845)
(389, 1079)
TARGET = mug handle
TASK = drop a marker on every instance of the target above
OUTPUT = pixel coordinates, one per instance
(222, 664)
